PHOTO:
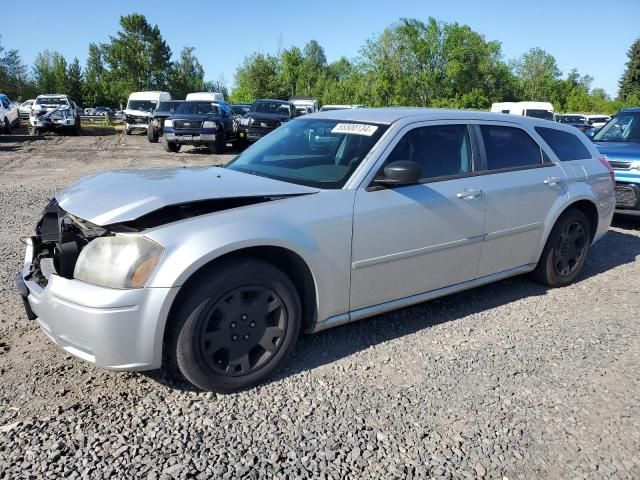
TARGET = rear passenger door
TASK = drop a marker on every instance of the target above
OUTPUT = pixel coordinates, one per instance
(522, 185)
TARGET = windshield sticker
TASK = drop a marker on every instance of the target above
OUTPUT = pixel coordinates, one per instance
(355, 129)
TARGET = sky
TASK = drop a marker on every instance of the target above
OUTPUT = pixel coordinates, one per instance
(592, 35)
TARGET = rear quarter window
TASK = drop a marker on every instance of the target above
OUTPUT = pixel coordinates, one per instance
(565, 145)
(509, 147)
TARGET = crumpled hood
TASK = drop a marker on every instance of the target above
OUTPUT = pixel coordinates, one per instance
(627, 151)
(125, 195)
(136, 113)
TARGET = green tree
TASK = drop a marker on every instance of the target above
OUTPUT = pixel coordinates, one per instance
(218, 86)
(138, 58)
(258, 77)
(187, 74)
(95, 84)
(75, 82)
(14, 75)
(630, 81)
(59, 71)
(291, 62)
(43, 72)
(538, 72)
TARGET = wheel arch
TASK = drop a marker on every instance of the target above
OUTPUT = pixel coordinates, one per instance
(290, 262)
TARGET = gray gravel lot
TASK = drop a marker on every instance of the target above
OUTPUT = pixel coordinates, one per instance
(507, 380)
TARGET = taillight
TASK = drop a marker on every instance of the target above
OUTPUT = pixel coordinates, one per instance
(603, 160)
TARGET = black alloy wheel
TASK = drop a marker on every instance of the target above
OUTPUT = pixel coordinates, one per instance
(569, 249)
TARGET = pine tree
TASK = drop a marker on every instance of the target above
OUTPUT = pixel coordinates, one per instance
(630, 81)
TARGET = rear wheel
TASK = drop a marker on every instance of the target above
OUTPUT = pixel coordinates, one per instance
(152, 134)
(7, 125)
(566, 250)
(170, 146)
(235, 326)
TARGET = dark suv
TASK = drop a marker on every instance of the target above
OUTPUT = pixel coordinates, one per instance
(200, 123)
(264, 117)
(156, 121)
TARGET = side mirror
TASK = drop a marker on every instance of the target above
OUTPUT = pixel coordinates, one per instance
(402, 172)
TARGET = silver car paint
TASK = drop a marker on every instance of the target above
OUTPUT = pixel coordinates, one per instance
(318, 228)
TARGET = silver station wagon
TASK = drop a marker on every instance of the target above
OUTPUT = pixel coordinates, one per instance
(332, 218)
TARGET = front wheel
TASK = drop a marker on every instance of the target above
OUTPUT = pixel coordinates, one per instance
(235, 325)
(7, 125)
(566, 250)
(127, 130)
(32, 130)
(152, 134)
(219, 145)
(172, 147)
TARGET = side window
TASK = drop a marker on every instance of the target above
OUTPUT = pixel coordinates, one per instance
(441, 150)
(509, 147)
(5, 101)
(565, 145)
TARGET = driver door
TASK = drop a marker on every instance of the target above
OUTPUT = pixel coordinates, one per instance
(417, 238)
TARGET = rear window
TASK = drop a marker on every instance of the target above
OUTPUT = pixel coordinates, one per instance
(509, 147)
(565, 145)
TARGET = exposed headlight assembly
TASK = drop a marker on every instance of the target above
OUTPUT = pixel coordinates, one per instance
(246, 121)
(120, 261)
(209, 124)
(168, 123)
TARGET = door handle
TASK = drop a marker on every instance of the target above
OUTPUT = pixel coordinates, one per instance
(469, 194)
(552, 180)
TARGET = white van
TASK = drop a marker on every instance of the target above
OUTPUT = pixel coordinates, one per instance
(205, 96)
(139, 108)
(543, 110)
(308, 103)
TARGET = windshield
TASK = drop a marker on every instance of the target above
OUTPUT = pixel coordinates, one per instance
(544, 114)
(240, 109)
(571, 119)
(312, 152)
(51, 101)
(624, 127)
(167, 106)
(142, 105)
(198, 108)
(279, 108)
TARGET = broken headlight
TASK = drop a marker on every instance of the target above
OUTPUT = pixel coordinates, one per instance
(120, 261)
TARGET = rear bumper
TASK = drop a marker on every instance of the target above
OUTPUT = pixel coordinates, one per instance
(114, 329)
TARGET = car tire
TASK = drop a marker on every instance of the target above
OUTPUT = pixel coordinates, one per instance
(32, 130)
(172, 147)
(566, 250)
(152, 134)
(7, 125)
(219, 146)
(234, 325)
(127, 130)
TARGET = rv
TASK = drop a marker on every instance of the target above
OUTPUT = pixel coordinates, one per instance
(542, 110)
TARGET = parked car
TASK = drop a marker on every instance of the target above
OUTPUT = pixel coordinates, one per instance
(577, 121)
(89, 111)
(220, 269)
(619, 141)
(25, 108)
(139, 108)
(543, 110)
(9, 114)
(158, 117)
(328, 108)
(103, 111)
(264, 117)
(200, 123)
(239, 109)
(54, 112)
(597, 121)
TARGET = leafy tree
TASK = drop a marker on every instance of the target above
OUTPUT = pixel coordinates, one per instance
(75, 82)
(138, 58)
(187, 74)
(291, 64)
(95, 84)
(538, 72)
(217, 86)
(14, 75)
(258, 77)
(630, 81)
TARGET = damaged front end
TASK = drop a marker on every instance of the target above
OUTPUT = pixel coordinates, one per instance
(59, 239)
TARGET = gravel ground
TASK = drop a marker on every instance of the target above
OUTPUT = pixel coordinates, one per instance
(507, 380)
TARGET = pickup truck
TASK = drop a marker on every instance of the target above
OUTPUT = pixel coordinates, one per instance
(9, 114)
(158, 117)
